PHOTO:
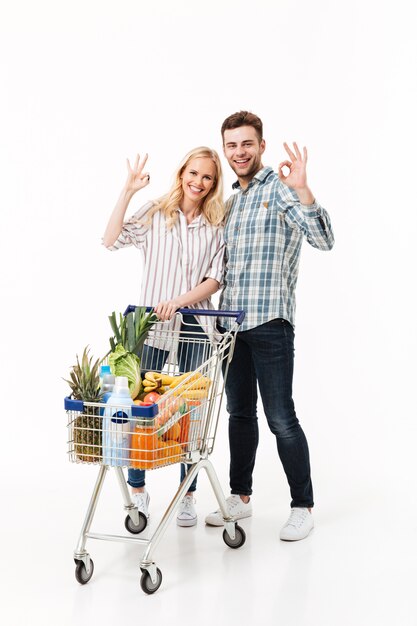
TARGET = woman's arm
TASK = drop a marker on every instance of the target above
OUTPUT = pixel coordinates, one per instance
(136, 179)
(166, 309)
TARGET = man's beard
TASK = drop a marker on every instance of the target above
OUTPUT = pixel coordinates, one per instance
(249, 174)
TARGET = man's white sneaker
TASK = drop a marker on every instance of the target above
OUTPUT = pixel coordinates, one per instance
(236, 507)
(186, 512)
(141, 501)
(298, 526)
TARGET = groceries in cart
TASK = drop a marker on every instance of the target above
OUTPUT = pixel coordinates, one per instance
(106, 431)
(130, 333)
(86, 435)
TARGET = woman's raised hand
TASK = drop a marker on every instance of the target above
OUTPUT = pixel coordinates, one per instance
(136, 177)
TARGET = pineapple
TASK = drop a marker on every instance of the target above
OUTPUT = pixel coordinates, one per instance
(85, 386)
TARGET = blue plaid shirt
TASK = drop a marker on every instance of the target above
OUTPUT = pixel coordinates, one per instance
(264, 230)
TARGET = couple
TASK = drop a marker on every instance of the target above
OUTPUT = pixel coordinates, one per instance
(251, 246)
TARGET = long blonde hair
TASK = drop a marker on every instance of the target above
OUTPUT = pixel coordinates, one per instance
(212, 206)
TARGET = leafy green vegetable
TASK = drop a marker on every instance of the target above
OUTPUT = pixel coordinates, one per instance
(123, 363)
(131, 331)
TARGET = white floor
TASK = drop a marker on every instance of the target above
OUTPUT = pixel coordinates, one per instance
(358, 567)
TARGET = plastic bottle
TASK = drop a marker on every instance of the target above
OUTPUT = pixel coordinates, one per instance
(104, 371)
(194, 424)
(107, 386)
(117, 424)
(145, 444)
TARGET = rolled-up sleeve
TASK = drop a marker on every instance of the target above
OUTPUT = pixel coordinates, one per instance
(216, 268)
(134, 230)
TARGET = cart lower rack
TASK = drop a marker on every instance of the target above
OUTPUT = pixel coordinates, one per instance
(180, 427)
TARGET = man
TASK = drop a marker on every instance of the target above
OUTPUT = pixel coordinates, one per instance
(266, 221)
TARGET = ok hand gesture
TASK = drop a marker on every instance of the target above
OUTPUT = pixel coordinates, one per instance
(297, 178)
(136, 177)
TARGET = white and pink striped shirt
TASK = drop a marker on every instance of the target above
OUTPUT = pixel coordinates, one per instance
(176, 259)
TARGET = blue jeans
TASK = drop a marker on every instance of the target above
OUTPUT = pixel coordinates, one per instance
(265, 356)
(190, 356)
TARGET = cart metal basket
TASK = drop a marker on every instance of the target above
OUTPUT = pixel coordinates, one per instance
(179, 427)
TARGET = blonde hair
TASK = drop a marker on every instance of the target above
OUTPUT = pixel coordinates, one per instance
(212, 206)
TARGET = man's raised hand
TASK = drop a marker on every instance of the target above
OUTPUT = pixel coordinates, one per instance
(297, 177)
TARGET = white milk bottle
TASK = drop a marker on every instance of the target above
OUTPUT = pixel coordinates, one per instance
(117, 424)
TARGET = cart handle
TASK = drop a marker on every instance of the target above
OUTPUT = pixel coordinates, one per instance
(239, 315)
(137, 410)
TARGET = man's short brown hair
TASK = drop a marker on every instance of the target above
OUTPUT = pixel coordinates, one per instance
(243, 118)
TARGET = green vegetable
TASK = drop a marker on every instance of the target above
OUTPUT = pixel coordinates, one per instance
(127, 344)
(132, 330)
(123, 363)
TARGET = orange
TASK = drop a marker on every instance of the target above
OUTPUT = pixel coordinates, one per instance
(173, 433)
(173, 451)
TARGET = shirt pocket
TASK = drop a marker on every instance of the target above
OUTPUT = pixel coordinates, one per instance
(259, 222)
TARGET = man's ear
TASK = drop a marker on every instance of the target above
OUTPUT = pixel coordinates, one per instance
(262, 146)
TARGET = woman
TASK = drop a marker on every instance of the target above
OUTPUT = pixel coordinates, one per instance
(181, 238)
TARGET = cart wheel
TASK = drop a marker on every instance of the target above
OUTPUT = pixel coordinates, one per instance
(132, 527)
(238, 541)
(81, 572)
(146, 581)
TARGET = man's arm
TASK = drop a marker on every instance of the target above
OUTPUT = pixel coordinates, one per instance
(306, 214)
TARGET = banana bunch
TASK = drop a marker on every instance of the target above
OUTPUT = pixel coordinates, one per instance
(196, 388)
(154, 381)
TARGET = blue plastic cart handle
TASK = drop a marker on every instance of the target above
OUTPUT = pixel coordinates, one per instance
(239, 315)
(137, 410)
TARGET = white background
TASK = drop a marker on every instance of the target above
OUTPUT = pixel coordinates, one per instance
(87, 84)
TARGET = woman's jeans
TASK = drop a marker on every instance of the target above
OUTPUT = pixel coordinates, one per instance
(190, 356)
(265, 355)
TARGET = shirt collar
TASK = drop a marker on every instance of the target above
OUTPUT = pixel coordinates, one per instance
(200, 220)
(260, 176)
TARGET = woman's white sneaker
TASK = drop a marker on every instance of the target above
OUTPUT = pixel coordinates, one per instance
(141, 501)
(298, 526)
(236, 507)
(186, 512)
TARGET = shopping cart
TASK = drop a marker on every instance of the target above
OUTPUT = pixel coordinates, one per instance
(180, 427)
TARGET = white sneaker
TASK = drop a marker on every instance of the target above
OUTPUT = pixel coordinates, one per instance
(141, 501)
(186, 512)
(298, 526)
(236, 507)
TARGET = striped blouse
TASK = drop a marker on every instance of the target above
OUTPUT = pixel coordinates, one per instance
(175, 259)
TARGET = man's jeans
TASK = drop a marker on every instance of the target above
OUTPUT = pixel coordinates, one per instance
(265, 354)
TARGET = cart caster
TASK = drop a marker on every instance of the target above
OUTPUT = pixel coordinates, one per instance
(146, 581)
(81, 573)
(238, 541)
(133, 528)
